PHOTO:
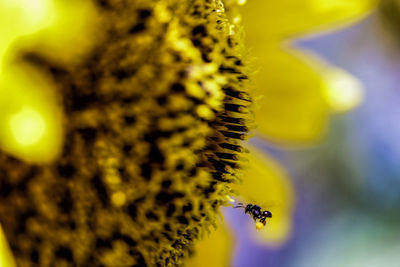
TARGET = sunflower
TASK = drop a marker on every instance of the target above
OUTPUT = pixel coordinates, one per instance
(121, 127)
(121, 130)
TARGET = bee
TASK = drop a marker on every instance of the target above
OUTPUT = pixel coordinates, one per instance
(259, 216)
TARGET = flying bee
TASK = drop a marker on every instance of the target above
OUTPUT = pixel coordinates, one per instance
(259, 216)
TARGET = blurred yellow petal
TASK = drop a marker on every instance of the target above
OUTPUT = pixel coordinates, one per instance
(274, 20)
(30, 118)
(266, 183)
(22, 17)
(73, 31)
(6, 259)
(293, 106)
(61, 29)
(214, 250)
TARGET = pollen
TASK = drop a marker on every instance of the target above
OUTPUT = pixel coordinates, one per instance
(259, 225)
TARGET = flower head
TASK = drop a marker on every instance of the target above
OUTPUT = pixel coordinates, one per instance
(153, 107)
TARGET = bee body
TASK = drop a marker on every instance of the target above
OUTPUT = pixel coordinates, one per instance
(259, 216)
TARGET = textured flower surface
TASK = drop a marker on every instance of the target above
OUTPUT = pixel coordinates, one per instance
(122, 136)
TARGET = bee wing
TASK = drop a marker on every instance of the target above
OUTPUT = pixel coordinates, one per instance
(240, 205)
(266, 204)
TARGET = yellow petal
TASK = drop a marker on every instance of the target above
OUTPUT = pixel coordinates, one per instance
(214, 250)
(266, 183)
(293, 107)
(74, 29)
(63, 30)
(21, 17)
(274, 20)
(6, 259)
(30, 119)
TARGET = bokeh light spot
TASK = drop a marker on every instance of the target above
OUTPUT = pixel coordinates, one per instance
(27, 126)
(343, 91)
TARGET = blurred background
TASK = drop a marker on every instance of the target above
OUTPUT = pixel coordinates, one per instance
(347, 207)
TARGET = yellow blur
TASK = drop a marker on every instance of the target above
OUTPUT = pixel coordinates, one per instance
(214, 249)
(268, 20)
(30, 118)
(343, 91)
(298, 90)
(22, 17)
(6, 259)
